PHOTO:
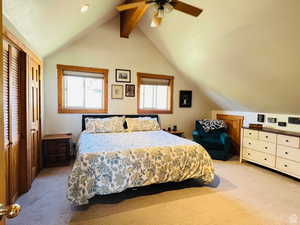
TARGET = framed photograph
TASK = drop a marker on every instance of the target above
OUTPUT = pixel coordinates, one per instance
(116, 91)
(185, 99)
(123, 76)
(130, 90)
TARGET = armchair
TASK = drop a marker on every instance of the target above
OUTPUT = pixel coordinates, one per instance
(216, 141)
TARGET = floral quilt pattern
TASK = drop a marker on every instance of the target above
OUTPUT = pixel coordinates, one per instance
(113, 162)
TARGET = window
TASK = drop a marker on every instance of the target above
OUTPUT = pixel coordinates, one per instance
(82, 89)
(155, 93)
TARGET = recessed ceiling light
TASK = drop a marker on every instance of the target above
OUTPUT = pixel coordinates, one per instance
(84, 8)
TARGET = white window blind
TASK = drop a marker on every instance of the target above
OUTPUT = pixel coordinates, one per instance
(154, 94)
(83, 90)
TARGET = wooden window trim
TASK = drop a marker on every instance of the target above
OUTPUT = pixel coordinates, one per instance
(171, 93)
(61, 69)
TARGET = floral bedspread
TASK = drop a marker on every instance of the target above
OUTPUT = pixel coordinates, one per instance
(112, 162)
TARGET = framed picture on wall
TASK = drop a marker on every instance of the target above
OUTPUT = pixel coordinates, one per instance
(185, 99)
(130, 90)
(116, 91)
(123, 76)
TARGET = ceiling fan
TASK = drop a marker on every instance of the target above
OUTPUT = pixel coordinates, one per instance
(162, 7)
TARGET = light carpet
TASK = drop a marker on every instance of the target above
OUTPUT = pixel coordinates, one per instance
(242, 194)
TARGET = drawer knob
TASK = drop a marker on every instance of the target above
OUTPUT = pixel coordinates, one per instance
(266, 147)
(249, 154)
(286, 153)
(265, 159)
(285, 165)
(249, 143)
(286, 140)
(267, 136)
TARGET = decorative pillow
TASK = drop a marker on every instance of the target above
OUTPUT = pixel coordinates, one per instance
(142, 124)
(106, 125)
(209, 125)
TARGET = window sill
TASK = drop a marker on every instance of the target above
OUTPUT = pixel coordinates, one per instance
(141, 111)
(81, 111)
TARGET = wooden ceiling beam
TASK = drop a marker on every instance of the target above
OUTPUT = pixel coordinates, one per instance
(130, 18)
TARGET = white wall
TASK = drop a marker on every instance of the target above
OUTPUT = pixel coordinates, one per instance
(251, 117)
(103, 48)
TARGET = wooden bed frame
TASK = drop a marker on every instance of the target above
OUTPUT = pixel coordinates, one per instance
(111, 115)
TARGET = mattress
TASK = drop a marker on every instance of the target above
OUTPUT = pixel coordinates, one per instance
(113, 162)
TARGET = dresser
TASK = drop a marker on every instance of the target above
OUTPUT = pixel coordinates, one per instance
(57, 150)
(275, 149)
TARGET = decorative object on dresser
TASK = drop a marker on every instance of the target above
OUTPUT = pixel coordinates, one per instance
(261, 118)
(130, 90)
(57, 150)
(185, 99)
(123, 76)
(255, 126)
(116, 91)
(275, 149)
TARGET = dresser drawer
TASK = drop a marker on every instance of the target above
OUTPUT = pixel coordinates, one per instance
(265, 136)
(288, 141)
(259, 157)
(251, 143)
(288, 166)
(251, 133)
(288, 153)
(267, 147)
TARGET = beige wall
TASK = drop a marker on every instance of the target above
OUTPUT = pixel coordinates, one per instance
(251, 117)
(103, 48)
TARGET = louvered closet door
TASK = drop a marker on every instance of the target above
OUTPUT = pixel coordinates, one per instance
(12, 132)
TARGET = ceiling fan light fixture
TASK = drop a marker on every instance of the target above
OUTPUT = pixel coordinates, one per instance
(160, 13)
(84, 8)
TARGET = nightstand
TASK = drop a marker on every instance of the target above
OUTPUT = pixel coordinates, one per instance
(177, 133)
(57, 150)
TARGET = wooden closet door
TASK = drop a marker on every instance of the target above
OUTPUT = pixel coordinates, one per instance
(34, 102)
(11, 100)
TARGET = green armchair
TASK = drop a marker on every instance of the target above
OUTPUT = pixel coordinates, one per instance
(216, 141)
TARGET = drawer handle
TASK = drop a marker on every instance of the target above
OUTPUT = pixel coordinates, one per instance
(285, 165)
(249, 154)
(286, 153)
(286, 140)
(265, 159)
(266, 147)
(249, 143)
(267, 136)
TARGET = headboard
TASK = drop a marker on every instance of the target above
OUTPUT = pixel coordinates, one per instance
(107, 115)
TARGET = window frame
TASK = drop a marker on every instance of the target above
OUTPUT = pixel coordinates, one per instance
(60, 88)
(171, 93)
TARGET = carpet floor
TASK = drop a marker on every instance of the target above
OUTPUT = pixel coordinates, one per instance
(241, 194)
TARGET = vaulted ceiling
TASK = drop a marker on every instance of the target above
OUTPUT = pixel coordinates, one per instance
(244, 55)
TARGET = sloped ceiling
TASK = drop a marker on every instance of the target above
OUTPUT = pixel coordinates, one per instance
(244, 55)
(50, 24)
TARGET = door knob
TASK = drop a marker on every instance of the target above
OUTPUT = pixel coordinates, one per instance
(10, 211)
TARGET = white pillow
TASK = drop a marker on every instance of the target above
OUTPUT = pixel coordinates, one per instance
(106, 125)
(142, 124)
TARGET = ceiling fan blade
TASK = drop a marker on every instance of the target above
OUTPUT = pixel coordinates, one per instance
(186, 8)
(128, 6)
(156, 21)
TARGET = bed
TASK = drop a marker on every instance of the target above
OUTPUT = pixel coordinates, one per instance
(109, 163)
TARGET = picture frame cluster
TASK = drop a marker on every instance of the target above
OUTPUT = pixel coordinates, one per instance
(117, 90)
